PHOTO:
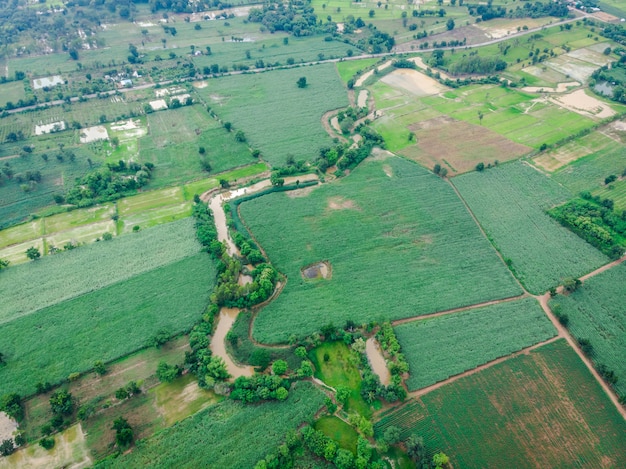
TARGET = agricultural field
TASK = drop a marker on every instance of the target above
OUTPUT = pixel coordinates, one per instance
(509, 202)
(184, 445)
(175, 138)
(339, 431)
(126, 283)
(595, 313)
(245, 100)
(468, 339)
(541, 409)
(349, 68)
(395, 227)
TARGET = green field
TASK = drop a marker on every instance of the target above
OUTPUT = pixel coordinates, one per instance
(348, 68)
(596, 313)
(543, 409)
(206, 438)
(335, 428)
(105, 324)
(509, 202)
(70, 274)
(447, 345)
(276, 116)
(340, 371)
(175, 138)
(390, 228)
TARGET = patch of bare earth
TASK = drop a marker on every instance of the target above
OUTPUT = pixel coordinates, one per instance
(459, 146)
(377, 361)
(339, 203)
(583, 104)
(414, 82)
(7, 426)
(318, 270)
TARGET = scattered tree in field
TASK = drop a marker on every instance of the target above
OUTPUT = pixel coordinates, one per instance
(11, 404)
(343, 394)
(279, 367)
(61, 402)
(47, 443)
(240, 136)
(440, 460)
(122, 394)
(7, 447)
(450, 24)
(107, 236)
(480, 117)
(33, 253)
(585, 346)
(123, 432)
(2, 361)
(205, 164)
(480, 166)
(161, 337)
(571, 284)
(276, 180)
(167, 373)
(301, 82)
(392, 435)
(416, 451)
(228, 126)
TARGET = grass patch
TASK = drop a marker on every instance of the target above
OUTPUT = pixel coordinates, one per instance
(553, 410)
(509, 202)
(269, 109)
(335, 428)
(338, 370)
(185, 444)
(469, 339)
(348, 68)
(395, 227)
(200, 187)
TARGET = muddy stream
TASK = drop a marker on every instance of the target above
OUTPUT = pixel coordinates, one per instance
(227, 316)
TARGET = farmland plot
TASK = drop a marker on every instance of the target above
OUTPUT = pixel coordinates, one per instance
(596, 313)
(206, 439)
(276, 116)
(104, 324)
(444, 346)
(398, 241)
(69, 274)
(509, 202)
(543, 409)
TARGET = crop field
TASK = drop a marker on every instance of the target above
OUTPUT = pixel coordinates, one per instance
(463, 341)
(13, 91)
(185, 444)
(70, 274)
(174, 141)
(268, 108)
(339, 431)
(596, 313)
(69, 336)
(509, 203)
(395, 228)
(543, 409)
(593, 143)
(204, 185)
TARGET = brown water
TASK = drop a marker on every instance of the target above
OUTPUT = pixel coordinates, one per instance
(377, 361)
(218, 346)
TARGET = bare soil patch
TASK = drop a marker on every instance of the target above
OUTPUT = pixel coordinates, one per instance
(603, 16)
(560, 88)
(318, 270)
(339, 203)
(362, 99)
(47, 82)
(7, 427)
(93, 134)
(158, 104)
(47, 128)
(583, 104)
(413, 81)
(459, 146)
(377, 361)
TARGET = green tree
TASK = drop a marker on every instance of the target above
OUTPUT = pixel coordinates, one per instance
(440, 460)
(301, 82)
(123, 432)
(166, 373)
(343, 394)
(4, 264)
(7, 447)
(61, 402)
(217, 368)
(240, 136)
(392, 435)
(450, 24)
(47, 443)
(276, 180)
(122, 394)
(11, 404)
(279, 367)
(282, 393)
(571, 284)
(33, 253)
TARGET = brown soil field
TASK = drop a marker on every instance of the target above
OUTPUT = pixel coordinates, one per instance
(459, 146)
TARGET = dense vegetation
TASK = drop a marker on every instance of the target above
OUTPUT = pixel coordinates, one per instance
(595, 221)
(469, 339)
